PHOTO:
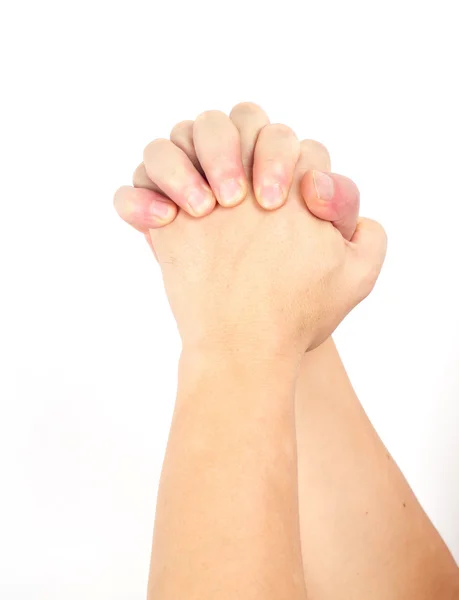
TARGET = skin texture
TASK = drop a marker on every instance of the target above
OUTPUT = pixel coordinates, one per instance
(246, 255)
(145, 206)
(251, 290)
(363, 532)
(349, 550)
(227, 522)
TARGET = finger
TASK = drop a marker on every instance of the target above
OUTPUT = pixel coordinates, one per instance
(276, 154)
(172, 171)
(368, 248)
(144, 209)
(217, 145)
(313, 155)
(138, 210)
(140, 179)
(249, 118)
(182, 136)
(334, 198)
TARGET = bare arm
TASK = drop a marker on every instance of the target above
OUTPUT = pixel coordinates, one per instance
(362, 528)
(363, 533)
(227, 521)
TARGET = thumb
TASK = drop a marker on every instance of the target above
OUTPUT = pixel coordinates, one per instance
(368, 247)
(334, 198)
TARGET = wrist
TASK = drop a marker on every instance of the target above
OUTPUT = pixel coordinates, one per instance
(260, 346)
(248, 356)
(237, 368)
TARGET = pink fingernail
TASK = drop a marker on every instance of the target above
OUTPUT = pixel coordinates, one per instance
(325, 186)
(159, 210)
(200, 200)
(271, 195)
(230, 192)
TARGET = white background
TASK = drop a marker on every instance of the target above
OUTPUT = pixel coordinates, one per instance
(88, 345)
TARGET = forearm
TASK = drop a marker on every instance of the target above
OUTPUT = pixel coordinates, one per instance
(227, 520)
(361, 526)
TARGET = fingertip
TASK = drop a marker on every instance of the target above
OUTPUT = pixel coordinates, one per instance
(332, 197)
(232, 192)
(121, 200)
(270, 196)
(276, 155)
(199, 201)
(346, 196)
(308, 190)
(322, 204)
(218, 149)
(160, 213)
(143, 209)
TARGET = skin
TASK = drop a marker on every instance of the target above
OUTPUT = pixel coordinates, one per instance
(227, 511)
(358, 514)
(239, 364)
(333, 434)
(268, 162)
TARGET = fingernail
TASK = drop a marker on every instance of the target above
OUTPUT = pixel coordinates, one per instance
(325, 186)
(230, 192)
(271, 195)
(200, 200)
(160, 210)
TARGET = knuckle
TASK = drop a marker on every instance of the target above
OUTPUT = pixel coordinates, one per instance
(245, 108)
(155, 147)
(367, 283)
(378, 237)
(315, 152)
(140, 175)
(368, 277)
(280, 130)
(209, 115)
(382, 233)
(181, 129)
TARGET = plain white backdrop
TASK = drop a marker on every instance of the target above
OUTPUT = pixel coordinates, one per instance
(89, 349)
